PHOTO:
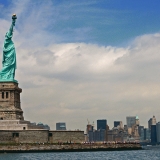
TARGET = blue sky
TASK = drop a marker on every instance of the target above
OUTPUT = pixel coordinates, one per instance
(103, 22)
(90, 59)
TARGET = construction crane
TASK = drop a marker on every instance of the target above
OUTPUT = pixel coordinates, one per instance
(87, 120)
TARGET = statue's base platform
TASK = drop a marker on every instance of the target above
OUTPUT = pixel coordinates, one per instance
(19, 125)
(8, 80)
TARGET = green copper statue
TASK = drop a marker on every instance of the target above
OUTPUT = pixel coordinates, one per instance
(9, 56)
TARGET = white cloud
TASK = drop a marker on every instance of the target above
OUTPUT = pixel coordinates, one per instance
(76, 81)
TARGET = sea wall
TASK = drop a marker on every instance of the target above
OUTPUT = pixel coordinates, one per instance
(66, 136)
(40, 136)
(21, 136)
(67, 147)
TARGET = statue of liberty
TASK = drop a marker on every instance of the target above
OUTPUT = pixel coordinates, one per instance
(9, 56)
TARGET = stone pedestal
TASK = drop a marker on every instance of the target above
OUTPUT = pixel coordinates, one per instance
(10, 105)
(11, 114)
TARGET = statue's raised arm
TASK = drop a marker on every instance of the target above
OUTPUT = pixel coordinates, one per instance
(10, 32)
(7, 73)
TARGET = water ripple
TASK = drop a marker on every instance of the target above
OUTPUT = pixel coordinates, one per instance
(105, 155)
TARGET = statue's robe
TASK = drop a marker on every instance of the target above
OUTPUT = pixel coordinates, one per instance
(9, 58)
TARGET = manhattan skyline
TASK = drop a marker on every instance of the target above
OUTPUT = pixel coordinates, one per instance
(86, 60)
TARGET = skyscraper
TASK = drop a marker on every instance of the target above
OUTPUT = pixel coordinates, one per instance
(149, 123)
(101, 124)
(140, 128)
(142, 134)
(158, 131)
(153, 134)
(152, 121)
(137, 121)
(147, 134)
(118, 123)
(131, 120)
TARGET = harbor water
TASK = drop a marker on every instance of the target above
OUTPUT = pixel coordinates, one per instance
(146, 154)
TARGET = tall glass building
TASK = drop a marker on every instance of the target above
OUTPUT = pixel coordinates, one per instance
(101, 124)
(116, 123)
(158, 131)
(139, 129)
(153, 134)
(147, 134)
(131, 120)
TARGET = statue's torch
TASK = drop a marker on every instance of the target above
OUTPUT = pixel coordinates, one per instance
(14, 17)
